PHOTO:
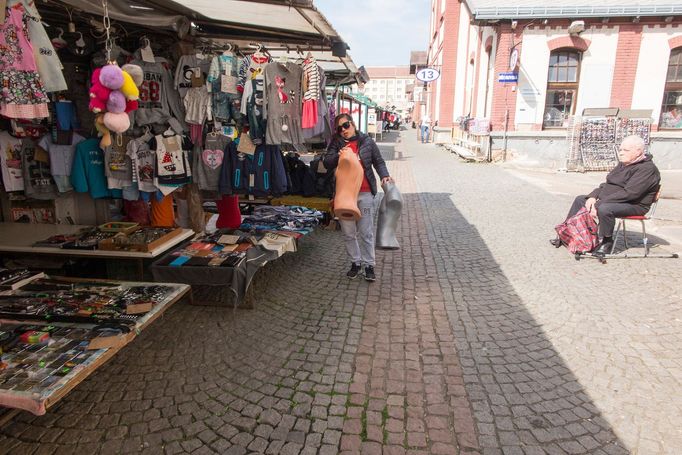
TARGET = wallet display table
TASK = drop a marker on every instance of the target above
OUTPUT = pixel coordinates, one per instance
(33, 377)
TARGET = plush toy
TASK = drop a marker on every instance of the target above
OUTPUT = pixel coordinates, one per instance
(103, 131)
(99, 94)
(135, 72)
(118, 123)
(111, 77)
(131, 105)
(116, 102)
(129, 89)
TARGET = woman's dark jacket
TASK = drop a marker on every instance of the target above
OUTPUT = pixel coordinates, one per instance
(369, 156)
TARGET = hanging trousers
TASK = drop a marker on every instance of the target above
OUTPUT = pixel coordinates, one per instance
(607, 213)
(359, 235)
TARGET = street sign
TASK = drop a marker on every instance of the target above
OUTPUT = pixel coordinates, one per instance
(428, 74)
(508, 77)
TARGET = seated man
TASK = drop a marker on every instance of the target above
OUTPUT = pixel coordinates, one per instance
(630, 189)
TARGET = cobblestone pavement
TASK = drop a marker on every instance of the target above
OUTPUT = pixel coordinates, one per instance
(477, 338)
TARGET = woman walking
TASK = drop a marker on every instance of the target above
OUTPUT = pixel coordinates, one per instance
(359, 235)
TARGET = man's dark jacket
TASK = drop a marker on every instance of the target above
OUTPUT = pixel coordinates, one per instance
(634, 184)
(369, 155)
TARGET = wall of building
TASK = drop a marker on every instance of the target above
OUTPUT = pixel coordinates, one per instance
(596, 72)
(547, 149)
(650, 79)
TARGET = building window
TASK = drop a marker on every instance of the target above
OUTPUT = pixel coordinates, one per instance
(671, 111)
(562, 87)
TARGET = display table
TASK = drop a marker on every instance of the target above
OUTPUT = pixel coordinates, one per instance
(19, 238)
(35, 377)
(218, 279)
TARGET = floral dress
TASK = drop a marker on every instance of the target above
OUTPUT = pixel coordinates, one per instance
(22, 94)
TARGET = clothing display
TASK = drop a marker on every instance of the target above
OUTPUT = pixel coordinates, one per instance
(311, 92)
(191, 72)
(143, 160)
(282, 218)
(159, 101)
(207, 121)
(10, 161)
(208, 162)
(35, 163)
(282, 100)
(87, 173)
(162, 212)
(61, 159)
(47, 61)
(23, 93)
(197, 105)
(172, 162)
(253, 107)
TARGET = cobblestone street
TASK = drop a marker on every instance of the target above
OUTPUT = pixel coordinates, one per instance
(478, 337)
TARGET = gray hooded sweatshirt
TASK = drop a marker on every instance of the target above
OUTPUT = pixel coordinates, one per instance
(159, 101)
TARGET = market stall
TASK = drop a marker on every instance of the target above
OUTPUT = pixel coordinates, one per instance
(168, 107)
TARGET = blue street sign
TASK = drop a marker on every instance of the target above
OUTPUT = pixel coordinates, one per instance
(508, 77)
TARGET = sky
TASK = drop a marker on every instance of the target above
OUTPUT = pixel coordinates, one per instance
(380, 32)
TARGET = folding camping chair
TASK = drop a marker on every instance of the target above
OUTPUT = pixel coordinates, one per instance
(645, 240)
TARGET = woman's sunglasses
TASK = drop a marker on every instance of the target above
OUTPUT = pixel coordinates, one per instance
(343, 126)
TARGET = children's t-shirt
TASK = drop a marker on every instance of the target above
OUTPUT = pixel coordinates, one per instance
(208, 162)
(38, 181)
(61, 156)
(87, 174)
(10, 161)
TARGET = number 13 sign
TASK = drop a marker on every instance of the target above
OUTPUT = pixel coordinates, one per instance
(428, 74)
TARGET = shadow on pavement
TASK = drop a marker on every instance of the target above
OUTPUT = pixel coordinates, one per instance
(522, 393)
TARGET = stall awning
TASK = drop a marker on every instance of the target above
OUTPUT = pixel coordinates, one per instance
(290, 26)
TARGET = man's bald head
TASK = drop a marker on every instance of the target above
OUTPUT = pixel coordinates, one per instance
(631, 149)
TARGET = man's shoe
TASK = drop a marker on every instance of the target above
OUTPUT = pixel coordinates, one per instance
(556, 243)
(369, 273)
(354, 271)
(604, 249)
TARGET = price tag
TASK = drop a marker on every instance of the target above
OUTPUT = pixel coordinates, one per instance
(147, 54)
(171, 145)
(228, 84)
(320, 168)
(252, 180)
(197, 78)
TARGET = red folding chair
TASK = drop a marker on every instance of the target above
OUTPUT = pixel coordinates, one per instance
(645, 240)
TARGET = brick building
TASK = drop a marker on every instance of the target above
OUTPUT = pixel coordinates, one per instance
(569, 57)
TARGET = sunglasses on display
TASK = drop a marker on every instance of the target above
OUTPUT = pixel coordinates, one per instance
(342, 127)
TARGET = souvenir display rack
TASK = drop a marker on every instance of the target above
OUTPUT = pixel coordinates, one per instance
(593, 140)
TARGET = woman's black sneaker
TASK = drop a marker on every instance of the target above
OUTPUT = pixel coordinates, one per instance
(369, 273)
(354, 271)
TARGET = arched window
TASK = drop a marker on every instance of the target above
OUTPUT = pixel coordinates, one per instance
(671, 111)
(563, 77)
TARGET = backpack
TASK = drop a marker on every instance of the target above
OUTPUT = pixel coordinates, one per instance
(579, 232)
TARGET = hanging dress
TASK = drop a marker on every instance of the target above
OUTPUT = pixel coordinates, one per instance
(22, 94)
(311, 92)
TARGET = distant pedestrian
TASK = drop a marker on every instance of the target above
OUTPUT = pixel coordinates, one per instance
(425, 128)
